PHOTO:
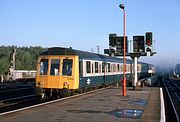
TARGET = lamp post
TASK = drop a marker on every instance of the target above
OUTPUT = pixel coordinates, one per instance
(124, 56)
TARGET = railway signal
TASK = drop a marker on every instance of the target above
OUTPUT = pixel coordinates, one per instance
(138, 44)
(149, 40)
(112, 40)
(120, 45)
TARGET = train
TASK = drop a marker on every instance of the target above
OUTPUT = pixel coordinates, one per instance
(64, 71)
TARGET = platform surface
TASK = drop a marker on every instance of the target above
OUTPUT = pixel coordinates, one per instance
(107, 105)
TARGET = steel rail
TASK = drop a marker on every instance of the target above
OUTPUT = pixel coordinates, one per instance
(170, 98)
(16, 98)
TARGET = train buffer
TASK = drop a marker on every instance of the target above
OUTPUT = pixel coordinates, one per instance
(108, 105)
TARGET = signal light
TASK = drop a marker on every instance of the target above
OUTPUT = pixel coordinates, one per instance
(148, 42)
(148, 38)
(120, 44)
(112, 40)
(138, 44)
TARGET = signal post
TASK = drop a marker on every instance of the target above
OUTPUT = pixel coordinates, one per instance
(118, 47)
(142, 46)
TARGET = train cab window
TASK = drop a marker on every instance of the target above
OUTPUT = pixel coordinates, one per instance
(96, 67)
(54, 67)
(43, 66)
(88, 67)
(67, 67)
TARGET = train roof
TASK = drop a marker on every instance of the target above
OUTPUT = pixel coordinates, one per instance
(81, 54)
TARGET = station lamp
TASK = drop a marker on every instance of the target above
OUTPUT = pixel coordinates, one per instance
(124, 56)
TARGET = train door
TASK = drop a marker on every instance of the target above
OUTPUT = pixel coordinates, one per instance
(54, 72)
(70, 72)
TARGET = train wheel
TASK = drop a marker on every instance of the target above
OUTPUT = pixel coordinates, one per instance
(64, 92)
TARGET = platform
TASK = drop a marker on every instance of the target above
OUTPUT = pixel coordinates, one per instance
(104, 106)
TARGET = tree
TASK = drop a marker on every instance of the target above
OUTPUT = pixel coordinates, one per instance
(26, 57)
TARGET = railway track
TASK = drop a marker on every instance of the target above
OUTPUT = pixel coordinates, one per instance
(17, 92)
(18, 102)
(25, 103)
(17, 95)
(172, 99)
(5, 86)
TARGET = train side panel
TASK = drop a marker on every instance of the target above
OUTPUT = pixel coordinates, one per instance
(107, 73)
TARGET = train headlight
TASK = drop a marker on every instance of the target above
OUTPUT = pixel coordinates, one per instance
(40, 83)
(65, 85)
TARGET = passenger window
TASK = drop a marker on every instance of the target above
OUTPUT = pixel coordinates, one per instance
(92, 68)
(114, 67)
(121, 67)
(99, 68)
(96, 67)
(109, 67)
(88, 67)
(44, 67)
(55, 66)
(118, 67)
(103, 67)
(127, 68)
(67, 67)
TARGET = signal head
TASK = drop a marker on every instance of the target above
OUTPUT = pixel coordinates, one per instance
(148, 38)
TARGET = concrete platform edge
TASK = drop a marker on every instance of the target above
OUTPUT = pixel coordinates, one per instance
(163, 117)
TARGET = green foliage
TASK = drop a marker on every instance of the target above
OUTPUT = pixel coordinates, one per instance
(26, 57)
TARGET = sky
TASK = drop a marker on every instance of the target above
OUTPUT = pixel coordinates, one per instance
(84, 24)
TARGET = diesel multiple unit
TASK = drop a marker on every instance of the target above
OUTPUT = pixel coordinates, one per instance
(61, 71)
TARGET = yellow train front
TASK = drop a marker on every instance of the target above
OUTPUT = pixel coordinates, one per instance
(56, 74)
